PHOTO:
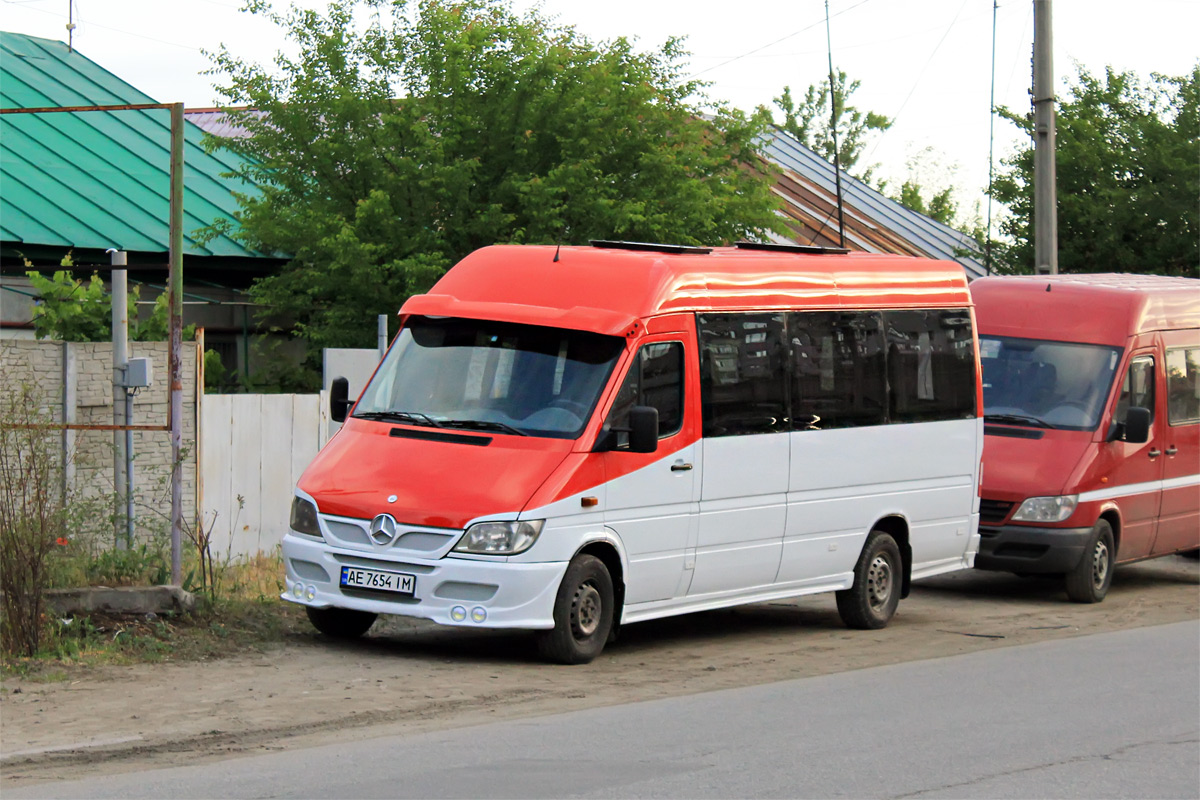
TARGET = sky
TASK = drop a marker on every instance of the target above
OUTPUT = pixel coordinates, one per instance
(925, 63)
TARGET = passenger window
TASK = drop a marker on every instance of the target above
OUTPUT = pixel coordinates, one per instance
(742, 384)
(1183, 386)
(655, 379)
(931, 365)
(837, 370)
(1137, 390)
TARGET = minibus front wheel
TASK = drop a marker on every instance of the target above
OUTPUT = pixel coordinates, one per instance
(1089, 581)
(340, 623)
(583, 613)
(870, 603)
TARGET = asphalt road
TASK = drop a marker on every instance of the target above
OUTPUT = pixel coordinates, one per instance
(1109, 715)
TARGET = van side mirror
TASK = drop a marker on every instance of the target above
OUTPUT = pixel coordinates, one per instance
(1136, 428)
(643, 429)
(339, 399)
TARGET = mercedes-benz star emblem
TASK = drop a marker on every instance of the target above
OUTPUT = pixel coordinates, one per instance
(383, 529)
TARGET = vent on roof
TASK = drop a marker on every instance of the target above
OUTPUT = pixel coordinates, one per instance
(793, 248)
(651, 247)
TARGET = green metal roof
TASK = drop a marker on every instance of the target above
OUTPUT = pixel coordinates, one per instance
(98, 179)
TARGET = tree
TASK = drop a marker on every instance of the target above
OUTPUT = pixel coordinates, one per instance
(71, 311)
(386, 152)
(810, 121)
(1128, 172)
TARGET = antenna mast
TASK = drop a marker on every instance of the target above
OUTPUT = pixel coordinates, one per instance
(833, 118)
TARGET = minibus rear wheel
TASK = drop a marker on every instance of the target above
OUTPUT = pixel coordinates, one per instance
(872, 600)
(340, 623)
(1089, 581)
(583, 613)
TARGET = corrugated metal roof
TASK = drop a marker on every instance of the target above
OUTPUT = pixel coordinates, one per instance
(874, 223)
(98, 179)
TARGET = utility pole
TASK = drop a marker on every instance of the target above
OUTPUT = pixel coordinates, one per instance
(120, 357)
(1045, 192)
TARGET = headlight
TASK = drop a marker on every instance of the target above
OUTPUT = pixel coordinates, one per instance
(500, 538)
(304, 517)
(1046, 509)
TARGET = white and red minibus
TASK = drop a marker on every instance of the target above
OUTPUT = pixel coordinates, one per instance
(568, 440)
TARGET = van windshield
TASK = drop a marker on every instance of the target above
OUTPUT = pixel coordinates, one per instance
(1045, 384)
(482, 375)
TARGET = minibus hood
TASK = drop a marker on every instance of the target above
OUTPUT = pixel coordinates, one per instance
(441, 484)
(1016, 468)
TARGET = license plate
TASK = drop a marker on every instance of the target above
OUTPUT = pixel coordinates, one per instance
(380, 581)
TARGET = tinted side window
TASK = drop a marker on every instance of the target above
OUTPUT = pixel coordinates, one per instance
(655, 379)
(1183, 385)
(742, 363)
(930, 365)
(838, 377)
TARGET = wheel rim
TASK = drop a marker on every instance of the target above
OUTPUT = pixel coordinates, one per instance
(586, 611)
(1100, 564)
(879, 582)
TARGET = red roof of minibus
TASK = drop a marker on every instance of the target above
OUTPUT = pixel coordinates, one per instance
(1095, 308)
(606, 290)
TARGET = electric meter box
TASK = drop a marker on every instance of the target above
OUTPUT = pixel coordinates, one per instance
(139, 373)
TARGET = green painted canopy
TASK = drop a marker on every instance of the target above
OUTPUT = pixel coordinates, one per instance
(89, 181)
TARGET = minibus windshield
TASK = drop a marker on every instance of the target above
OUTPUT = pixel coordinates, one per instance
(1045, 384)
(491, 376)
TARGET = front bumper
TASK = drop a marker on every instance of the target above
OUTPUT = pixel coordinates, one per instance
(513, 595)
(1026, 549)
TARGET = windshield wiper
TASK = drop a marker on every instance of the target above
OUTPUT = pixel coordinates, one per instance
(483, 425)
(411, 417)
(1017, 419)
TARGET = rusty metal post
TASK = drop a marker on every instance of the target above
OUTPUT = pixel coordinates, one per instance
(175, 297)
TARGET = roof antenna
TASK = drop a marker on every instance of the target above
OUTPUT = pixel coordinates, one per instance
(833, 118)
(558, 244)
(70, 26)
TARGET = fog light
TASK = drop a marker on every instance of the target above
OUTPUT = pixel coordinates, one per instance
(310, 592)
(458, 613)
(297, 591)
(478, 614)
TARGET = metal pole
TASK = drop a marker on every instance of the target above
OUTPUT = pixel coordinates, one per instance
(1045, 194)
(120, 358)
(175, 297)
(381, 334)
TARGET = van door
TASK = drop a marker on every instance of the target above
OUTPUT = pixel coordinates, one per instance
(652, 497)
(743, 495)
(1136, 471)
(1179, 519)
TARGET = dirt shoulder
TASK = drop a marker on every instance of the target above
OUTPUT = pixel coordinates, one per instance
(415, 676)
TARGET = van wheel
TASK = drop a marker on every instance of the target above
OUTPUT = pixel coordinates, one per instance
(873, 598)
(583, 613)
(341, 623)
(1089, 581)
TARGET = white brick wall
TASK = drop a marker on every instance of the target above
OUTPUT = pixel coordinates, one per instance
(40, 364)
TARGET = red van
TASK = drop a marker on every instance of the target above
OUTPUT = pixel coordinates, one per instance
(1091, 387)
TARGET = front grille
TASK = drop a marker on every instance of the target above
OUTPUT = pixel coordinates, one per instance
(993, 512)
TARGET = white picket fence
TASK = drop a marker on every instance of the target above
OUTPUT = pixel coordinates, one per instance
(253, 448)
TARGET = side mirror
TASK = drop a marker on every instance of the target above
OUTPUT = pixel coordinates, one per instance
(1137, 425)
(643, 429)
(339, 399)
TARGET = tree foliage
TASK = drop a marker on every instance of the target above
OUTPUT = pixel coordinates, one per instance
(404, 136)
(810, 122)
(70, 310)
(1128, 173)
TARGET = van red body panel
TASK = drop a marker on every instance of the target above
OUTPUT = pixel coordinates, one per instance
(436, 485)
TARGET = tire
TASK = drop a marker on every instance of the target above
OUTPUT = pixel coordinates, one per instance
(878, 575)
(341, 623)
(1089, 581)
(583, 613)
